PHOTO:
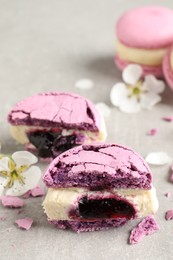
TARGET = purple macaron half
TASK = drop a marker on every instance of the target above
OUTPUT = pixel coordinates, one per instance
(98, 186)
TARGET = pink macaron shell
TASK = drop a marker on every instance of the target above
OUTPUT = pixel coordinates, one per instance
(154, 70)
(148, 27)
(167, 70)
(56, 109)
(83, 166)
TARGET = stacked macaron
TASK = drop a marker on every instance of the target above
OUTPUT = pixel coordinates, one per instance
(144, 36)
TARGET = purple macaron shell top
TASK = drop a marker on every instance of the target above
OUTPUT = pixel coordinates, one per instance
(56, 109)
(147, 27)
(167, 70)
(99, 166)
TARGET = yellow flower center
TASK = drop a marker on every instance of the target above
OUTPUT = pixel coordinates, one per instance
(14, 173)
(136, 91)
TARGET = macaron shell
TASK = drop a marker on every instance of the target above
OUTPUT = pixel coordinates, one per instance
(86, 226)
(156, 71)
(56, 109)
(148, 27)
(84, 165)
(167, 70)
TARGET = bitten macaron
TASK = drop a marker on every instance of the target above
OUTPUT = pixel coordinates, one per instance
(53, 122)
(144, 36)
(97, 186)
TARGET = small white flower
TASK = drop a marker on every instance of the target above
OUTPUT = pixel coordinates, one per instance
(136, 93)
(16, 175)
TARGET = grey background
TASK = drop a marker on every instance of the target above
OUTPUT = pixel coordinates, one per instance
(47, 46)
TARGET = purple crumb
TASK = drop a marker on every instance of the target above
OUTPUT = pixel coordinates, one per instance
(167, 194)
(167, 118)
(36, 192)
(12, 202)
(24, 223)
(146, 227)
(169, 214)
(152, 131)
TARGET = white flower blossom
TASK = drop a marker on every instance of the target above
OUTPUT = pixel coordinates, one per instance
(16, 175)
(136, 93)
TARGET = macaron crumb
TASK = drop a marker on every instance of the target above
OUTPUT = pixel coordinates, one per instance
(24, 223)
(169, 214)
(167, 194)
(152, 131)
(146, 227)
(11, 201)
(36, 192)
(167, 118)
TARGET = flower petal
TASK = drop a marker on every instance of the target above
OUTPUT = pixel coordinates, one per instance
(24, 158)
(1, 189)
(103, 109)
(130, 105)
(150, 99)
(4, 164)
(159, 158)
(31, 177)
(3, 182)
(84, 84)
(152, 84)
(131, 74)
(119, 92)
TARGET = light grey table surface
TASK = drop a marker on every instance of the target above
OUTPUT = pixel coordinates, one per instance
(47, 46)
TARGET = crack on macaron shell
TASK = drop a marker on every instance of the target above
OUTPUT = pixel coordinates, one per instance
(131, 172)
(35, 108)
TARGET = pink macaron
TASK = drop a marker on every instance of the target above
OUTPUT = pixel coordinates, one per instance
(144, 36)
(168, 67)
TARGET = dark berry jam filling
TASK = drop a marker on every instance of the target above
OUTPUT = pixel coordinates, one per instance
(51, 144)
(105, 208)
